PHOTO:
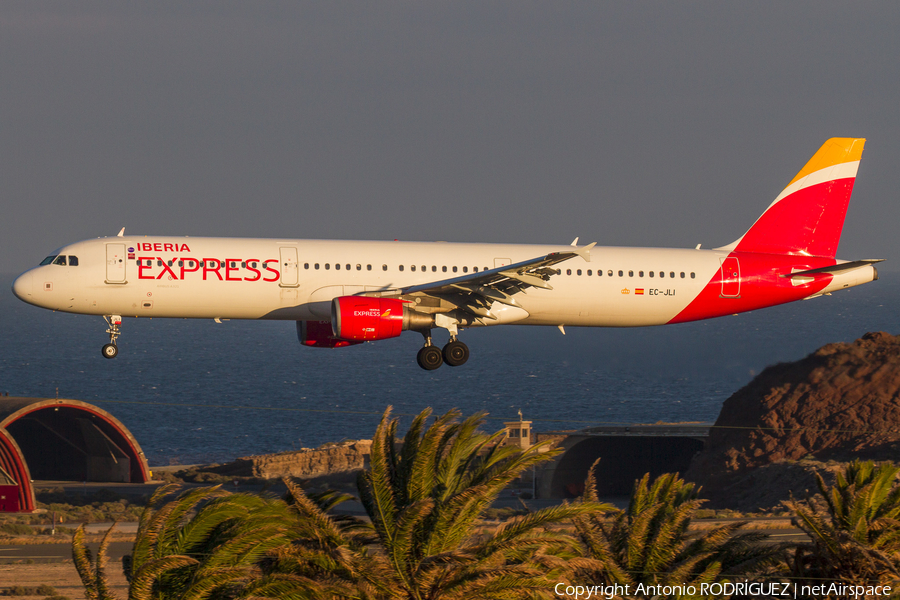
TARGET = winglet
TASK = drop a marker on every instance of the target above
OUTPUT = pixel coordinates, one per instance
(585, 252)
(121, 233)
(574, 242)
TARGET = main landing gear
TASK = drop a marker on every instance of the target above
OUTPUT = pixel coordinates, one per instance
(111, 350)
(455, 353)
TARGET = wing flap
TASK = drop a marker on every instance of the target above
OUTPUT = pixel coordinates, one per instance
(474, 293)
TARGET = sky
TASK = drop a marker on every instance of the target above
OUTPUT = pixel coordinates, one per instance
(631, 123)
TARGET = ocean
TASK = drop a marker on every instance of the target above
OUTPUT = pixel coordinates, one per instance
(197, 391)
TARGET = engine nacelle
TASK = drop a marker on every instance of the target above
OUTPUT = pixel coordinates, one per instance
(318, 334)
(364, 318)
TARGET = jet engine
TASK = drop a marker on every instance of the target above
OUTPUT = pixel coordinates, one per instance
(318, 334)
(364, 318)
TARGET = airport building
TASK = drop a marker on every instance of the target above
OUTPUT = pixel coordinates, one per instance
(62, 440)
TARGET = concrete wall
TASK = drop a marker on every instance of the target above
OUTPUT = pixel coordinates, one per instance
(307, 463)
(623, 459)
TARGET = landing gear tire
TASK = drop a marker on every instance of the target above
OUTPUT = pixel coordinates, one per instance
(429, 358)
(456, 353)
(114, 329)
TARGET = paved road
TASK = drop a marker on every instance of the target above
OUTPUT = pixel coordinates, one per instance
(63, 551)
(58, 552)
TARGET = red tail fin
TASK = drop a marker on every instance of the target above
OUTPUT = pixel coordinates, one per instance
(807, 217)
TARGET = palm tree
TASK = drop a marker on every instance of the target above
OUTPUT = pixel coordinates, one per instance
(425, 497)
(205, 542)
(858, 540)
(424, 538)
(92, 571)
(650, 542)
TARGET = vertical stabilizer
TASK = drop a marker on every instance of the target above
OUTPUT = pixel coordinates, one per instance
(807, 217)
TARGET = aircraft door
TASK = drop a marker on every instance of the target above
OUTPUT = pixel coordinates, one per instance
(290, 268)
(115, 263)
(731, 278)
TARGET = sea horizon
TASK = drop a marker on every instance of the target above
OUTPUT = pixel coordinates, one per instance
(196, 391)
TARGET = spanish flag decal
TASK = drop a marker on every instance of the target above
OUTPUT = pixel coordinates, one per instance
(638, 291)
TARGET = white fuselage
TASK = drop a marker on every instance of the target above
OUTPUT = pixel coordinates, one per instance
(297, 279)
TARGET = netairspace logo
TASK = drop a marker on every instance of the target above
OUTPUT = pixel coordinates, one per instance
(770, 589)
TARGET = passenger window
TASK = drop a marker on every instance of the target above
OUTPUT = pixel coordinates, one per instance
(180, 263)
(692, 275)
(672, 274)
(474, 269)
(73, 261)
(640, 273)
(609, 273)
(424, 268)
(465, 269)
(359, 267)
(327, 266)
(454, 269)
(444, 269)
(682, 274)
(368, 267)
(158, 263)
(384, 267)
(662, 273)
(316, 266)
(348, 267)
(305, 265)
(243, 264)
(47, 260)
(631, 273)
(434, 268)
(578, 272)
(412, 268)
(652, 273)
(401, 267)
(589, 273)
(568, 271)
(621, 273)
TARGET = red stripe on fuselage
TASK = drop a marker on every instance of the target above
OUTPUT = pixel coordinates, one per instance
(760, 285)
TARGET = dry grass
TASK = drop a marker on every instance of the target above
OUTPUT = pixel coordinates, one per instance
(62, 576)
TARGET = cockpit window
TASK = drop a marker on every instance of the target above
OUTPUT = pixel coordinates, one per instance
(48, 260)
(73, 261)
(60, 260)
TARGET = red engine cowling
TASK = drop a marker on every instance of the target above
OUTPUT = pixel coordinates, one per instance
(363, 318)
(318, 334)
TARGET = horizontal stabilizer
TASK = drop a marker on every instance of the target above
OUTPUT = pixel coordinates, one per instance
(834, 269)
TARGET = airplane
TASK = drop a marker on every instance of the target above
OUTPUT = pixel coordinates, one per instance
(342, 293)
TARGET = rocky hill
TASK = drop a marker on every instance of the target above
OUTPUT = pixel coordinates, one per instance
(839, 403)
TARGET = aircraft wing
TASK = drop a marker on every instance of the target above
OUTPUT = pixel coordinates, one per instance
(476, 292)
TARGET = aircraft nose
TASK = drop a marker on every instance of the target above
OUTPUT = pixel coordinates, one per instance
(22, 286)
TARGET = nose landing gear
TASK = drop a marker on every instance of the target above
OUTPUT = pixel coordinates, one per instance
(111, 350)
